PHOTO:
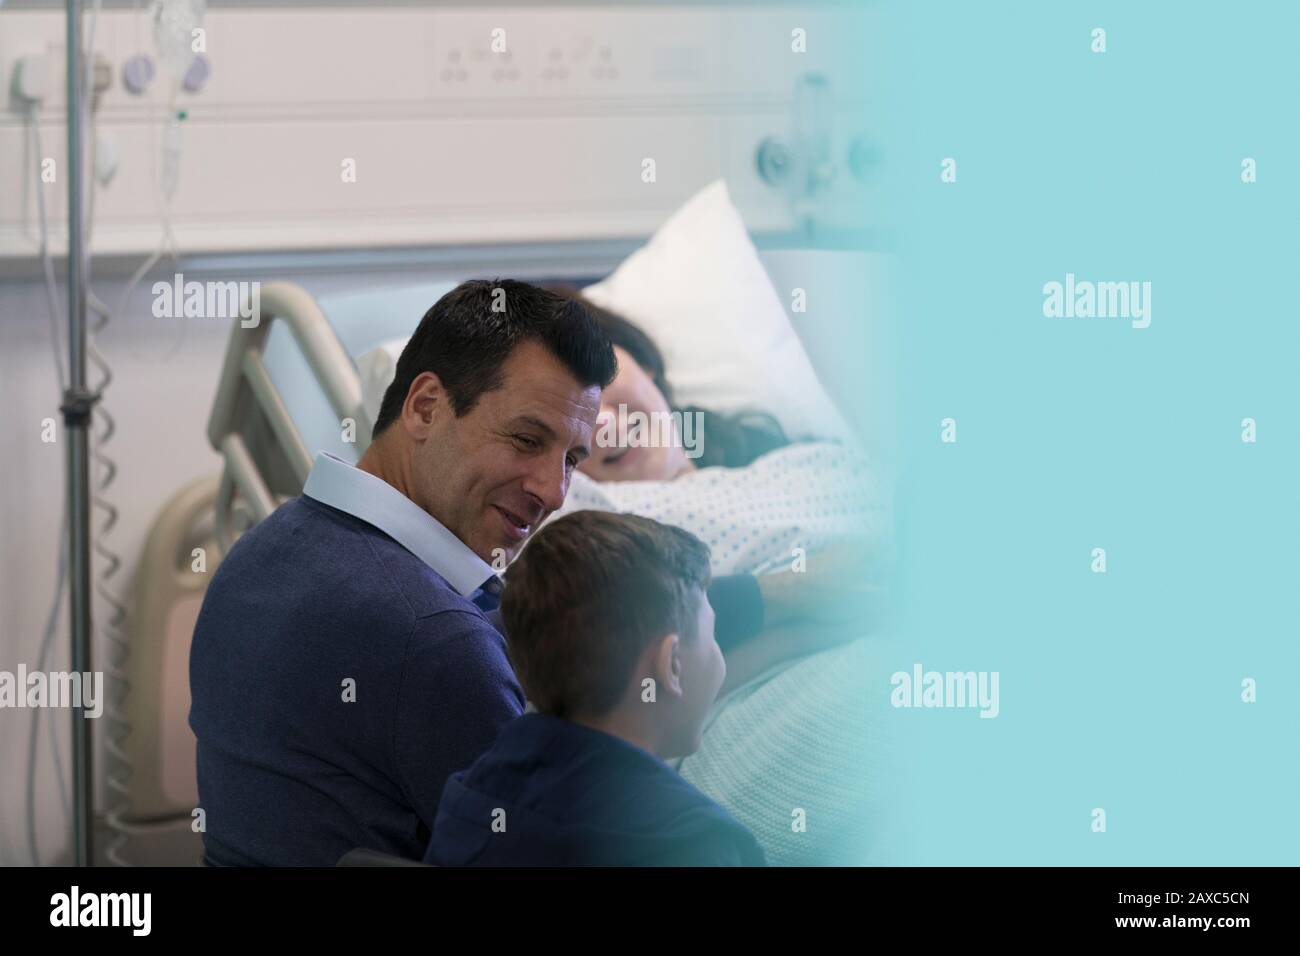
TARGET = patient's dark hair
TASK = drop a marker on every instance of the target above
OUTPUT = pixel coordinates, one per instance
(590, 592)
(463, 341)
(730, 440)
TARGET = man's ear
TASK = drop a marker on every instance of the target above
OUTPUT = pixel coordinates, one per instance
(426, 399)
(667, 664)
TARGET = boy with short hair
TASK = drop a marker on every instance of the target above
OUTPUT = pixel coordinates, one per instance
(610, 632)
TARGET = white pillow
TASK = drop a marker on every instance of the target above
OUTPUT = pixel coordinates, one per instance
(698, 289)
(377, 369)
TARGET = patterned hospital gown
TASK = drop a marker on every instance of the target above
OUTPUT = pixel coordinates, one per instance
(794, 755)
(806, 495)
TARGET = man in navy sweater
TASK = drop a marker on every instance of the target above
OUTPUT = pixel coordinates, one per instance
(348, 657)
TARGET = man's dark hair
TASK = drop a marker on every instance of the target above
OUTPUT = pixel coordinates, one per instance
(469, 333)
(590, 592)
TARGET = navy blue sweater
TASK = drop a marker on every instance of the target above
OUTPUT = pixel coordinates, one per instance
(561, 794)
(289, 772)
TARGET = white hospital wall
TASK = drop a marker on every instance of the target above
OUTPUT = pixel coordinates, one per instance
(452, 143)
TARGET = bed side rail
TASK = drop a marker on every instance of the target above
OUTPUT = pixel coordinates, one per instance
(247, 402)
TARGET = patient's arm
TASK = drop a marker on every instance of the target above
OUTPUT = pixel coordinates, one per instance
(834, 587)
(807, 611)
(781, 643)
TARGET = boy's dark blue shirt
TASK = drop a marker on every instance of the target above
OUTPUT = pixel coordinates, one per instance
(553, 793)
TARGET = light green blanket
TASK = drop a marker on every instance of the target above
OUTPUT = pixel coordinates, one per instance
(798, 757)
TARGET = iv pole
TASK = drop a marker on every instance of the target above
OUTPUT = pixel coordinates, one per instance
(77, 405)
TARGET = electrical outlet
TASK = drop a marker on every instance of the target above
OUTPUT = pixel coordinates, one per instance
(32, 78)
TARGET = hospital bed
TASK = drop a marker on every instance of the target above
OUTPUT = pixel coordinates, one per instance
(289, 387)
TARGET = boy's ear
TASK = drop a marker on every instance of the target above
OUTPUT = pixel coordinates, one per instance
(668, 664)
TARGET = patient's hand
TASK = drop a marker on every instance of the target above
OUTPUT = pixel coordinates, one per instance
(827, 604)
(833, 589)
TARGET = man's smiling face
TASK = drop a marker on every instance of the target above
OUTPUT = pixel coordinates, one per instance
(495, 474)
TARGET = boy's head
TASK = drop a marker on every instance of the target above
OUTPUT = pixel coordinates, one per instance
(600, 602)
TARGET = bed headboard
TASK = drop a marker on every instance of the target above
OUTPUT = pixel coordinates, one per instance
(843, 331)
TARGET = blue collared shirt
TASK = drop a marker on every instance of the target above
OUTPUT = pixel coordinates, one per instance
(344, 486)
(342, 668)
